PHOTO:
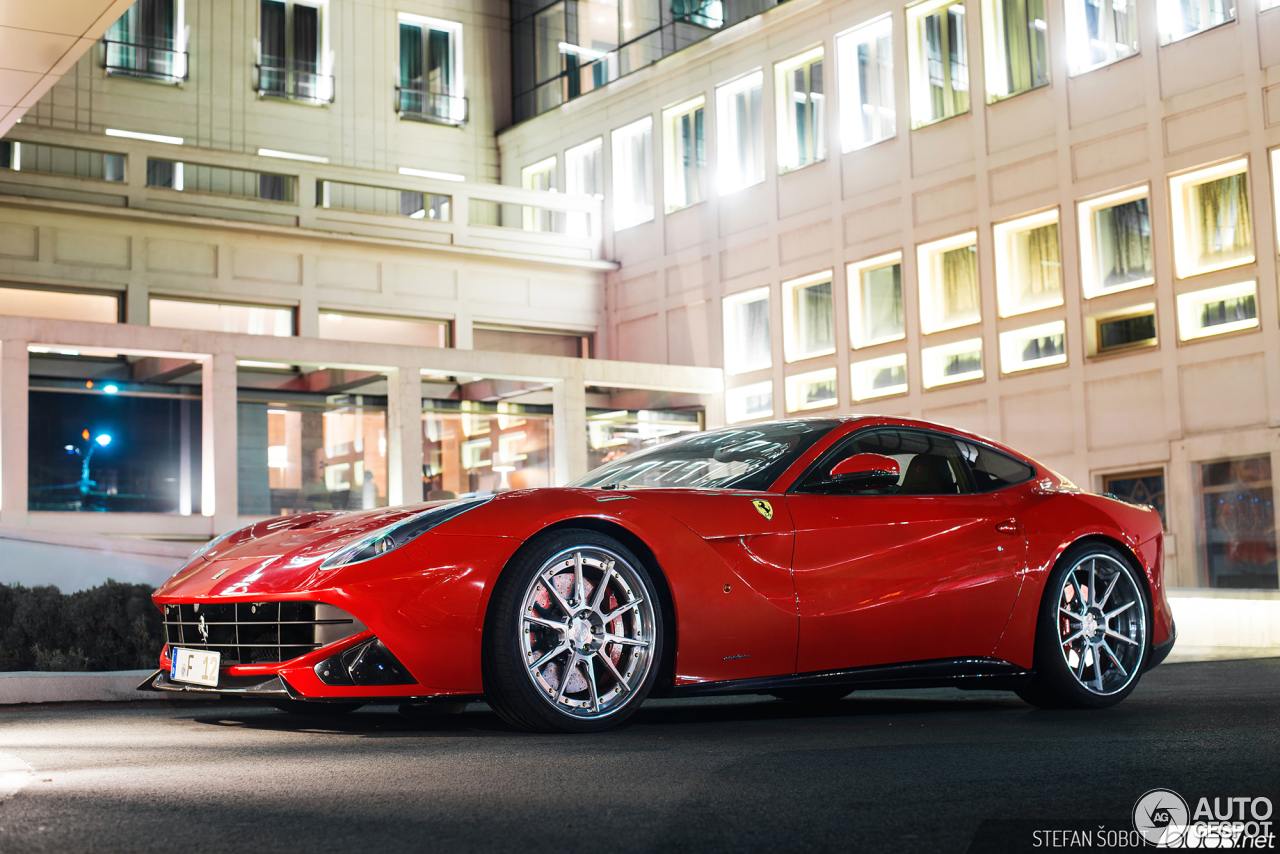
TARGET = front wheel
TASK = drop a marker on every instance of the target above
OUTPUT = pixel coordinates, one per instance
(1091, 634)
(573, 635)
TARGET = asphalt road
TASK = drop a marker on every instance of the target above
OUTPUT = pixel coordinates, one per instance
(875, 772)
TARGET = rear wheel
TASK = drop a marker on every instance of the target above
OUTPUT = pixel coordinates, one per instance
(1091, 635)
(308, 707)
(573, 635)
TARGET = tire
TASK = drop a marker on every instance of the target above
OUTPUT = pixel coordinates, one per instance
(813, 696)
(573, 635)
(310, 707)
(1092, 632)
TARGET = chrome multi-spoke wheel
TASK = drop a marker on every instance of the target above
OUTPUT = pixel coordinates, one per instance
(1102, 624)
(1091, 635)
(573, 636)
(587, 633)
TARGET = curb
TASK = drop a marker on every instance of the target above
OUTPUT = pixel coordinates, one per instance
(29, 686)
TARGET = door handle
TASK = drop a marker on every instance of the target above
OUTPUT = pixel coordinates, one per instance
(1009, 526)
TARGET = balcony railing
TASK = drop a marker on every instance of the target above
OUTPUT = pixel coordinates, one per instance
(431, 106)
(133, 59)
(295, 80)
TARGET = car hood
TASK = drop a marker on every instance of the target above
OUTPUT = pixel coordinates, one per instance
(279, 555)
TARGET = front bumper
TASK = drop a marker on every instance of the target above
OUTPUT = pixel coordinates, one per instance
(245, 686)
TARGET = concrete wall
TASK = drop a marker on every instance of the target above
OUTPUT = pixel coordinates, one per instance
(1208, 98)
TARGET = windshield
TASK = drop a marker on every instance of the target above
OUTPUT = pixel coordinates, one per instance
(736, 458)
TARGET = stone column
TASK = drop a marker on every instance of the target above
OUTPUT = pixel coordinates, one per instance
(220, 458)
(404, 436)
(569, 421)
(14, 373)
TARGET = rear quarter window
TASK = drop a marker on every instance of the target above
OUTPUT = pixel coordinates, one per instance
(992, 469)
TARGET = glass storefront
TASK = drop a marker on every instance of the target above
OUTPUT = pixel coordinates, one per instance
(471, 447)
(612, 434)
(106, 445)
(300, 451)
(1239, 524)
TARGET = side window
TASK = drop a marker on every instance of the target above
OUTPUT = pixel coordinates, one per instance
(929, 463)
(992, 470)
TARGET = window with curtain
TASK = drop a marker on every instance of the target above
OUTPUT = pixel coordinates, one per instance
(1028, 269)
(633, 174)
(746, 332)
(1100, 32)
(1179, 19)
(430, 84)
(740, 126)
(1212, 224)
(1017, 46)
(148, 41)
(290, 52)
(879, 377)
(952, 363)
(939, 61)
(875, 300)
(948, 272)
(867, 112)
(686, 154)
(1121, 238)
(1217, 311)
(810, 316)
(802, 139)
(1033, 347)
(812, 390)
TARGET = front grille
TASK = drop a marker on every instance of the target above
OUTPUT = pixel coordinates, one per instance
(257, 632)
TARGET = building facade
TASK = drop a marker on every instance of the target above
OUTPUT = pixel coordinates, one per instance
(1051, 223)
(255, 259)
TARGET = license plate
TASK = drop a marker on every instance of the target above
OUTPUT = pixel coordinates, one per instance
(197, 666)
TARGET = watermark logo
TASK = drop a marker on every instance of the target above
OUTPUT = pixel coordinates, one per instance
(1165, 820)
(1161, 817)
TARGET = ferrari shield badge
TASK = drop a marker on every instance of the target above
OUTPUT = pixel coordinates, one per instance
(765, 508)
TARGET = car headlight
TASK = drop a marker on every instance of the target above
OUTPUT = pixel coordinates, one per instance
(205, 549)
(398, 534)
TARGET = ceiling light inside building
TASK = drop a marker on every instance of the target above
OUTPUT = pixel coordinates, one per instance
(291, 155)
(148, 137)
(427, 173)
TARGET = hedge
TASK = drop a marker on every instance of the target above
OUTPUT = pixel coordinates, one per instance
(113, 626)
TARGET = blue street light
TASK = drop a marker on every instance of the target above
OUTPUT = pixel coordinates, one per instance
(111, 388)
(103, 440)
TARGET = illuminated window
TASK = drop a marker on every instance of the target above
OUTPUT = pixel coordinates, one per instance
(93, 308)
(1028, 272)
(686, 154)
(1033, 347)
(748, 402)
(539, 176)
(879, 377)
(875, 300)
(740, 126)
(222, 317)
(633, 174)
(938, 61)
(384, 330)
(952, 363)
(1017, 46)
(802, 139)
(1217, 311)
(867, 111)
(1181, 18)
(584, 176)
(1115, 242)
(812, 390)
(746, 332)
(430, 82)
(1132, 328)
(1100, 32)
(1212, 228)
(808, 317)
(948, 271)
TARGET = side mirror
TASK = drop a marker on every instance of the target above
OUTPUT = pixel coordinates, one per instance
(865, 471)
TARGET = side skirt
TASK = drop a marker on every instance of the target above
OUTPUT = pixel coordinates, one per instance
(967, 673)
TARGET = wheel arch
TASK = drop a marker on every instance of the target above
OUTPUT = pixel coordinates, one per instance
(666, 667)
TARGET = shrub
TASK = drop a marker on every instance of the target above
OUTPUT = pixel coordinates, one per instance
(113, 626)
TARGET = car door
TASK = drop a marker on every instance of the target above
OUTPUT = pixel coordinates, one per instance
(925, 570)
